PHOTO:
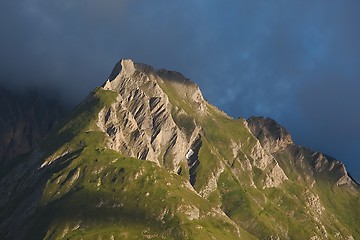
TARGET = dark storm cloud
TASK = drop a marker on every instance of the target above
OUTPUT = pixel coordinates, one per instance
(295, 61)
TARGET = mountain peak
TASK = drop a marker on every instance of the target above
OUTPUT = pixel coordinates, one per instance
(125, 67)
(205, 175)
(128, 74)
(153, 116)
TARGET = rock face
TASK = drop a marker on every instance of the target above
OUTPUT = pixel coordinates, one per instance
(148, 120)
(277, 140)
(145, 156)
(272, 136)
(24, 122)
(143, 123)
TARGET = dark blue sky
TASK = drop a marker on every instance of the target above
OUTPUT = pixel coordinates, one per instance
(295, 61)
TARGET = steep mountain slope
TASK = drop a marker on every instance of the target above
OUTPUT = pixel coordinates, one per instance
(205, 175)
(24, 122)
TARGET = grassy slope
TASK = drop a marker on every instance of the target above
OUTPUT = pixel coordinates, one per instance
(96, 192)
(102, 193)
(265, 212)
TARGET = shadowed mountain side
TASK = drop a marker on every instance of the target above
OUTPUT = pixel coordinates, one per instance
(24, 121)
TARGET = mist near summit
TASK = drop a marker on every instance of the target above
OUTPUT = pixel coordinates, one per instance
(296, 62)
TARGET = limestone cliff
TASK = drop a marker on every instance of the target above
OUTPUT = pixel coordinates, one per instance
(276, 139)
(272, 136)
(153, 118)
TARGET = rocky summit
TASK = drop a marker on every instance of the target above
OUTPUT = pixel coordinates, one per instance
(145, 156)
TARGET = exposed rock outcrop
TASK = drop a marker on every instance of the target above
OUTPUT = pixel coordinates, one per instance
(192, 157)
(153, 119)
(273, 137)
(331, 168)
(145, 124)
(276, 139)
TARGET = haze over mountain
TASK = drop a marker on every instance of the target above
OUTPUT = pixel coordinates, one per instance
(297, 62)
(25, 119)
(145, 156)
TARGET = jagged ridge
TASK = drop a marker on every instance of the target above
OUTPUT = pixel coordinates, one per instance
(276, 139)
